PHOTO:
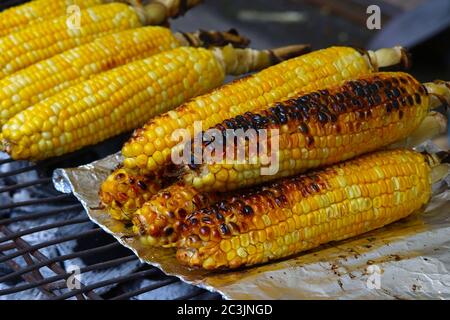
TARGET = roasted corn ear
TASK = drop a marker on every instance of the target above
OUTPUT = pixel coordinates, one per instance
(32, 12)
(48, 77)
(158, 223)
(123, 193)
(159, 219)
(302, 74)
(312, 130)
(122, 99)
(47, 38)
(303, 212)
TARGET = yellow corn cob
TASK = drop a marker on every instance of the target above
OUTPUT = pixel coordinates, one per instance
(47, 38)
(158, 224)
(26, 14)
(159, 219)
(45, 78)
(123, 193)
(304, 212)
(121, 99)
(306, 73)
(316, 129)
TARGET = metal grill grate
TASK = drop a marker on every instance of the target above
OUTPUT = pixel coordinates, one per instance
(13, 247)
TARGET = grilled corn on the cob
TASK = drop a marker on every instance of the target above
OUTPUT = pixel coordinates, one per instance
(306, 73)
(159, 219)
(304, 212)
(47, 38)
(158, 222)
(123, 98)
(312, 130)
(45, 78)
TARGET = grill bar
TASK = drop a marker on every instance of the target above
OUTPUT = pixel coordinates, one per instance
(104, 283)
(43, 228)
(25, 185)
(145, 289)
(98, 266)
(49, 243)
(58, 259)
(38, 215)
(36, 201)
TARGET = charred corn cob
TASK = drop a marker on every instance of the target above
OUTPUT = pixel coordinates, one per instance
(304, 212)
(45, 78)
(123, 193)
(306, 73)
(158, 221)
(121, 99)
(312, 130)
(50, 37)
(26, 14)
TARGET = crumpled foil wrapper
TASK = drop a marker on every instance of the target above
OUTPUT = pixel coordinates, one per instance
(409, 259)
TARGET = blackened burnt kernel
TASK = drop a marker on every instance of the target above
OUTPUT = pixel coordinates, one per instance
(166, 195)
(303, 128)
(377, 99)
(247, 210)
(229, 124)
(120, 176)
(400, 114)
(395, 104)
(389, 107)
(141, 184)
(182, 213)
(224, 229)
(219, 216)
(193, 221)
(418, 98)
(206, 220)
(323, 117)
(131, 180)
(359, 92)
(410, 100)
(315, 187)
(403, 80)
(205, 231)
(222, 205)
(340, 97)
(396, 92)
(324, 92)
(168, 231)
(309, 141)
(171, 214)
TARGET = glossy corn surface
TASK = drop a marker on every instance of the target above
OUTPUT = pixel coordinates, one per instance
(123, 192)
(304, 212)
(111, 103)
(45, 39)
(32, 12)
(305, 73)
(312, 130)
(159, 221)
(48, 77)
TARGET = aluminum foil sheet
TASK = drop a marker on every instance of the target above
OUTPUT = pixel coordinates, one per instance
(409, 259)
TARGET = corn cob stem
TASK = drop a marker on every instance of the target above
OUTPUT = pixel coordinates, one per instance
(118, 100)
(203, 38)
(313, 130)
(159, 11)
(303, 212)
(306, 73)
